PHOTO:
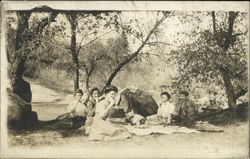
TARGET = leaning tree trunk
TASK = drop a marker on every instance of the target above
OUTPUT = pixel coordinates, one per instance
(73, 23)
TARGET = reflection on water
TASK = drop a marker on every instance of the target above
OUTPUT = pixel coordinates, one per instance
(48, 110)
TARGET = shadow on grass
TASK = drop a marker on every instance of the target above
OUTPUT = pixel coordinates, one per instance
(46, 133)
(64, 127)
(226, 116)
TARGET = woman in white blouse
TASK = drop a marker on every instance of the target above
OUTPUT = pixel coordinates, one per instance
(164, 112)
(166, 109)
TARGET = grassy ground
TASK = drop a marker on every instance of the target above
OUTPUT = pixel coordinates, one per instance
(233, 142)
(233, 135)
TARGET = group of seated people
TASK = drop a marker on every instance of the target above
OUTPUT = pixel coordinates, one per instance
(183, 112)
(95, 109)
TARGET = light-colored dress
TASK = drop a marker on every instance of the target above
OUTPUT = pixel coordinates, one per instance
(163, 114)
(77, 108)
(102, 128)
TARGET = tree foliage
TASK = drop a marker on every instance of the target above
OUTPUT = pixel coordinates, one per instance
(218, 50)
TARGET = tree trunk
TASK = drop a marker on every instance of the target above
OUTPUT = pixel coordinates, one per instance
(73, 23)
(76, 71)
(22, 26)
(19, 107)
(19, 86)
(89, 73)
(229, 89)
(87, 83)
(232, 97)
(23, 117)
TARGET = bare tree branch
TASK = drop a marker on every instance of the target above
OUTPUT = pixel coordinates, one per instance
(78, 50)
(131, 57)
(85, 37)
(151, 64)
(158, 42)
(149, 54)
(141, 38)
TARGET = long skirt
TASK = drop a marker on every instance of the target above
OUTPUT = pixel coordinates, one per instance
(105, 130)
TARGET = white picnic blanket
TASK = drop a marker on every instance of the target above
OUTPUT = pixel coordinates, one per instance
(159, 129)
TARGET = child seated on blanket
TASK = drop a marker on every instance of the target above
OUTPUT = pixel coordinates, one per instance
(164, 112)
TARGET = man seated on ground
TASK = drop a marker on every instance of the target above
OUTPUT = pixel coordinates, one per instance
(76, 111)
(185, 110)
(164, 112)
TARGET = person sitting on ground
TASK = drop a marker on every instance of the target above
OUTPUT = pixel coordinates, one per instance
(164, 112)
(101, 127)
(93, 100)
(186, 110)
(166, 109)
(91, 104)
(77, 111)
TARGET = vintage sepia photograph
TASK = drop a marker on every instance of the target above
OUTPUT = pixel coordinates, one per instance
(124, 79)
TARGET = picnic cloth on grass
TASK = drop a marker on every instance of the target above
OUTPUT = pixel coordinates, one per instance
(159, 129)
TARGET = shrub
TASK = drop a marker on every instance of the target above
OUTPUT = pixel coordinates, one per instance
(56, 79)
